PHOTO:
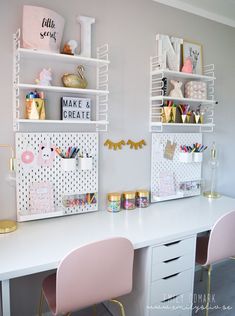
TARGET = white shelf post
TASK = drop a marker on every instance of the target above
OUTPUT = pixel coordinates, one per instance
(16, 71)
(102, 80)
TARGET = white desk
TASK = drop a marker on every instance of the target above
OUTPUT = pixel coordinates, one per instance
(39, 246)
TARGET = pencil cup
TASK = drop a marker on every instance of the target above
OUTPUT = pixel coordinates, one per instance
(185, 157)
(167, 112)
(202, 118)
(197, 118)
(85, 163)
(68, 164)
(173, 109)
(197, 157)
(183, 118)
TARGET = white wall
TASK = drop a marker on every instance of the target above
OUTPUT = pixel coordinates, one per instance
(129, 26)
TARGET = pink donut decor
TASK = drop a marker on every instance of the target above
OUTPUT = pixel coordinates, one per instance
(27, 157)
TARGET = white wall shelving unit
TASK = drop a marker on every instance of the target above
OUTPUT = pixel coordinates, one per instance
(157, 97)
(101, 63)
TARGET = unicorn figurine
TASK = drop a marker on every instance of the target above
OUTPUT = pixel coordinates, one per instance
(45, 77)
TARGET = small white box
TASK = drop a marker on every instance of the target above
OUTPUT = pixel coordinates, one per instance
(195, 90)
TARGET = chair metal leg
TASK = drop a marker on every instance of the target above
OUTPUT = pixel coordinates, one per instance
(201, 275)
(94, 308)
(120, 305)
(208, 291)
(40, 303)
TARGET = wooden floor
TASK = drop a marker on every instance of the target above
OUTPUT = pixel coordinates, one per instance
(223, 291)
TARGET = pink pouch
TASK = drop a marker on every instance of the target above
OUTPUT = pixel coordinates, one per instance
(42, 28)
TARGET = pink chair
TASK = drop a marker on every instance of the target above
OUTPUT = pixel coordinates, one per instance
(91, 274)
(219, 245)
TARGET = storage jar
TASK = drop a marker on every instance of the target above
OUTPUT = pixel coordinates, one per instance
(128, 200)
(114, 202)
(142, 198)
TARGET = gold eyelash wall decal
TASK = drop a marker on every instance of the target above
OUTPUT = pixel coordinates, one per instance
(136, 145)
(115, 146)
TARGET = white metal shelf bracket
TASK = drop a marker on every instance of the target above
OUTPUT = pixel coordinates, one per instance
(102, 80)
(16, 71)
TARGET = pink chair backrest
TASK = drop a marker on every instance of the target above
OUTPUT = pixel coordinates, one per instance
(94, 273)
(222, 239)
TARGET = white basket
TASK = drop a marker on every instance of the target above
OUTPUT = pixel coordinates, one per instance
(185, 157)
(85, 163)
(68, 164)
(197, 157)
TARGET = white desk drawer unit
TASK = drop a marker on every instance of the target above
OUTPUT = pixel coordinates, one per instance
(171, 266)
(172, 250)
(170, 286)
(170, 306)
(172, 276)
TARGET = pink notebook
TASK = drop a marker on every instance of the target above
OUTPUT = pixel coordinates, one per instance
(41, 198)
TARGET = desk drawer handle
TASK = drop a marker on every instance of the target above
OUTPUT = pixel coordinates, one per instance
(171, 276)
(173, 243)
(169, 299)
(170, 260)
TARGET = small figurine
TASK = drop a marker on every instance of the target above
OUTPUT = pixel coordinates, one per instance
(75, 81)
(70, 47)
(45, 77)
(188, 66)
(176, 91)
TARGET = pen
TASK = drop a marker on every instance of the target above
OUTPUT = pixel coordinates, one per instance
(72, 152)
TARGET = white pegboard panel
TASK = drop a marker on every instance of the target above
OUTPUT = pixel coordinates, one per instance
(63, 182)
(188, 173)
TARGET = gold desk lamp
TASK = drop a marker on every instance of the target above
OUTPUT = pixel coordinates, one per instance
(7, 226)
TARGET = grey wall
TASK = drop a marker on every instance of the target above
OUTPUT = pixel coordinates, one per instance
(129, 26)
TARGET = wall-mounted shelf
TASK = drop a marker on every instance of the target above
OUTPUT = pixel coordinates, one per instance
(177, 74)
(158, 126)
(159, 95)
(182, 100)
(99, 94)
(30, 53)
(26, 86)
(25, 121)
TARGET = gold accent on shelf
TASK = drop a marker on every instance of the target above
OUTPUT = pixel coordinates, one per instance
(115, 146)
(136, 145)
(7, 226)
(211, 195)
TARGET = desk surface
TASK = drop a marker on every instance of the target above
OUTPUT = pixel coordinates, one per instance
(39, 245)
